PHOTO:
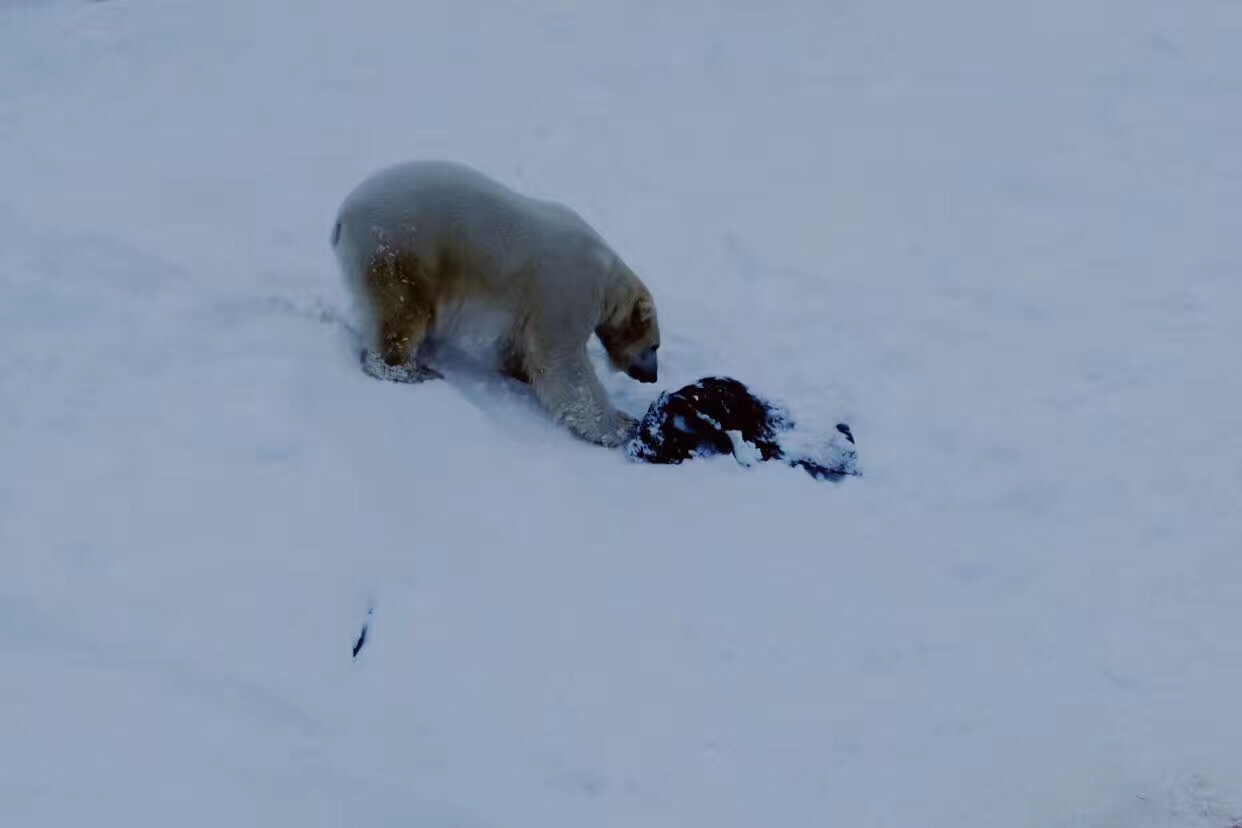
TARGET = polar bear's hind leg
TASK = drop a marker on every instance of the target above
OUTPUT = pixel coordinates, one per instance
(401, 302)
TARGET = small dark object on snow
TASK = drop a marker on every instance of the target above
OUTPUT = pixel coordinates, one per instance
(362, 636)
(720, 415)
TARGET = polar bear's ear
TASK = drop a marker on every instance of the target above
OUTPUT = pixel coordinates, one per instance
(644, 310)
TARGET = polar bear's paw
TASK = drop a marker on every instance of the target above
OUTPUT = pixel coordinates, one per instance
(410, 372)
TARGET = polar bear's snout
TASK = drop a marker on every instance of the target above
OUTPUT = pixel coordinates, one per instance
(645, 367)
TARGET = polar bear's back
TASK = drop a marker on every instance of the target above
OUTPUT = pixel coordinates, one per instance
(430, 207)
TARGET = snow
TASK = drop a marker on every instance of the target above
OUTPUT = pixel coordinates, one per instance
(1000, 242)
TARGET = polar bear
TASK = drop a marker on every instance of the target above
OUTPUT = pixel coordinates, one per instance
(436, 250)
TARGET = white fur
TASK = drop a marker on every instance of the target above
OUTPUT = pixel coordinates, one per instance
(526, 272)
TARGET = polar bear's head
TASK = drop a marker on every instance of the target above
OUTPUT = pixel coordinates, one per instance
(631, 335)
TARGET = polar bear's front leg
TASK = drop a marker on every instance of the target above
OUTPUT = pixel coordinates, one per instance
(569, 389)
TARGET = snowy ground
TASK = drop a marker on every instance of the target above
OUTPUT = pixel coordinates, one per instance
(998, 239)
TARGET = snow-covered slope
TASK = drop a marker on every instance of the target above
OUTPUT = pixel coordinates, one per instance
(1000, 240)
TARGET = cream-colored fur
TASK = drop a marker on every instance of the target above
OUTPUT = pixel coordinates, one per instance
(438, 251)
